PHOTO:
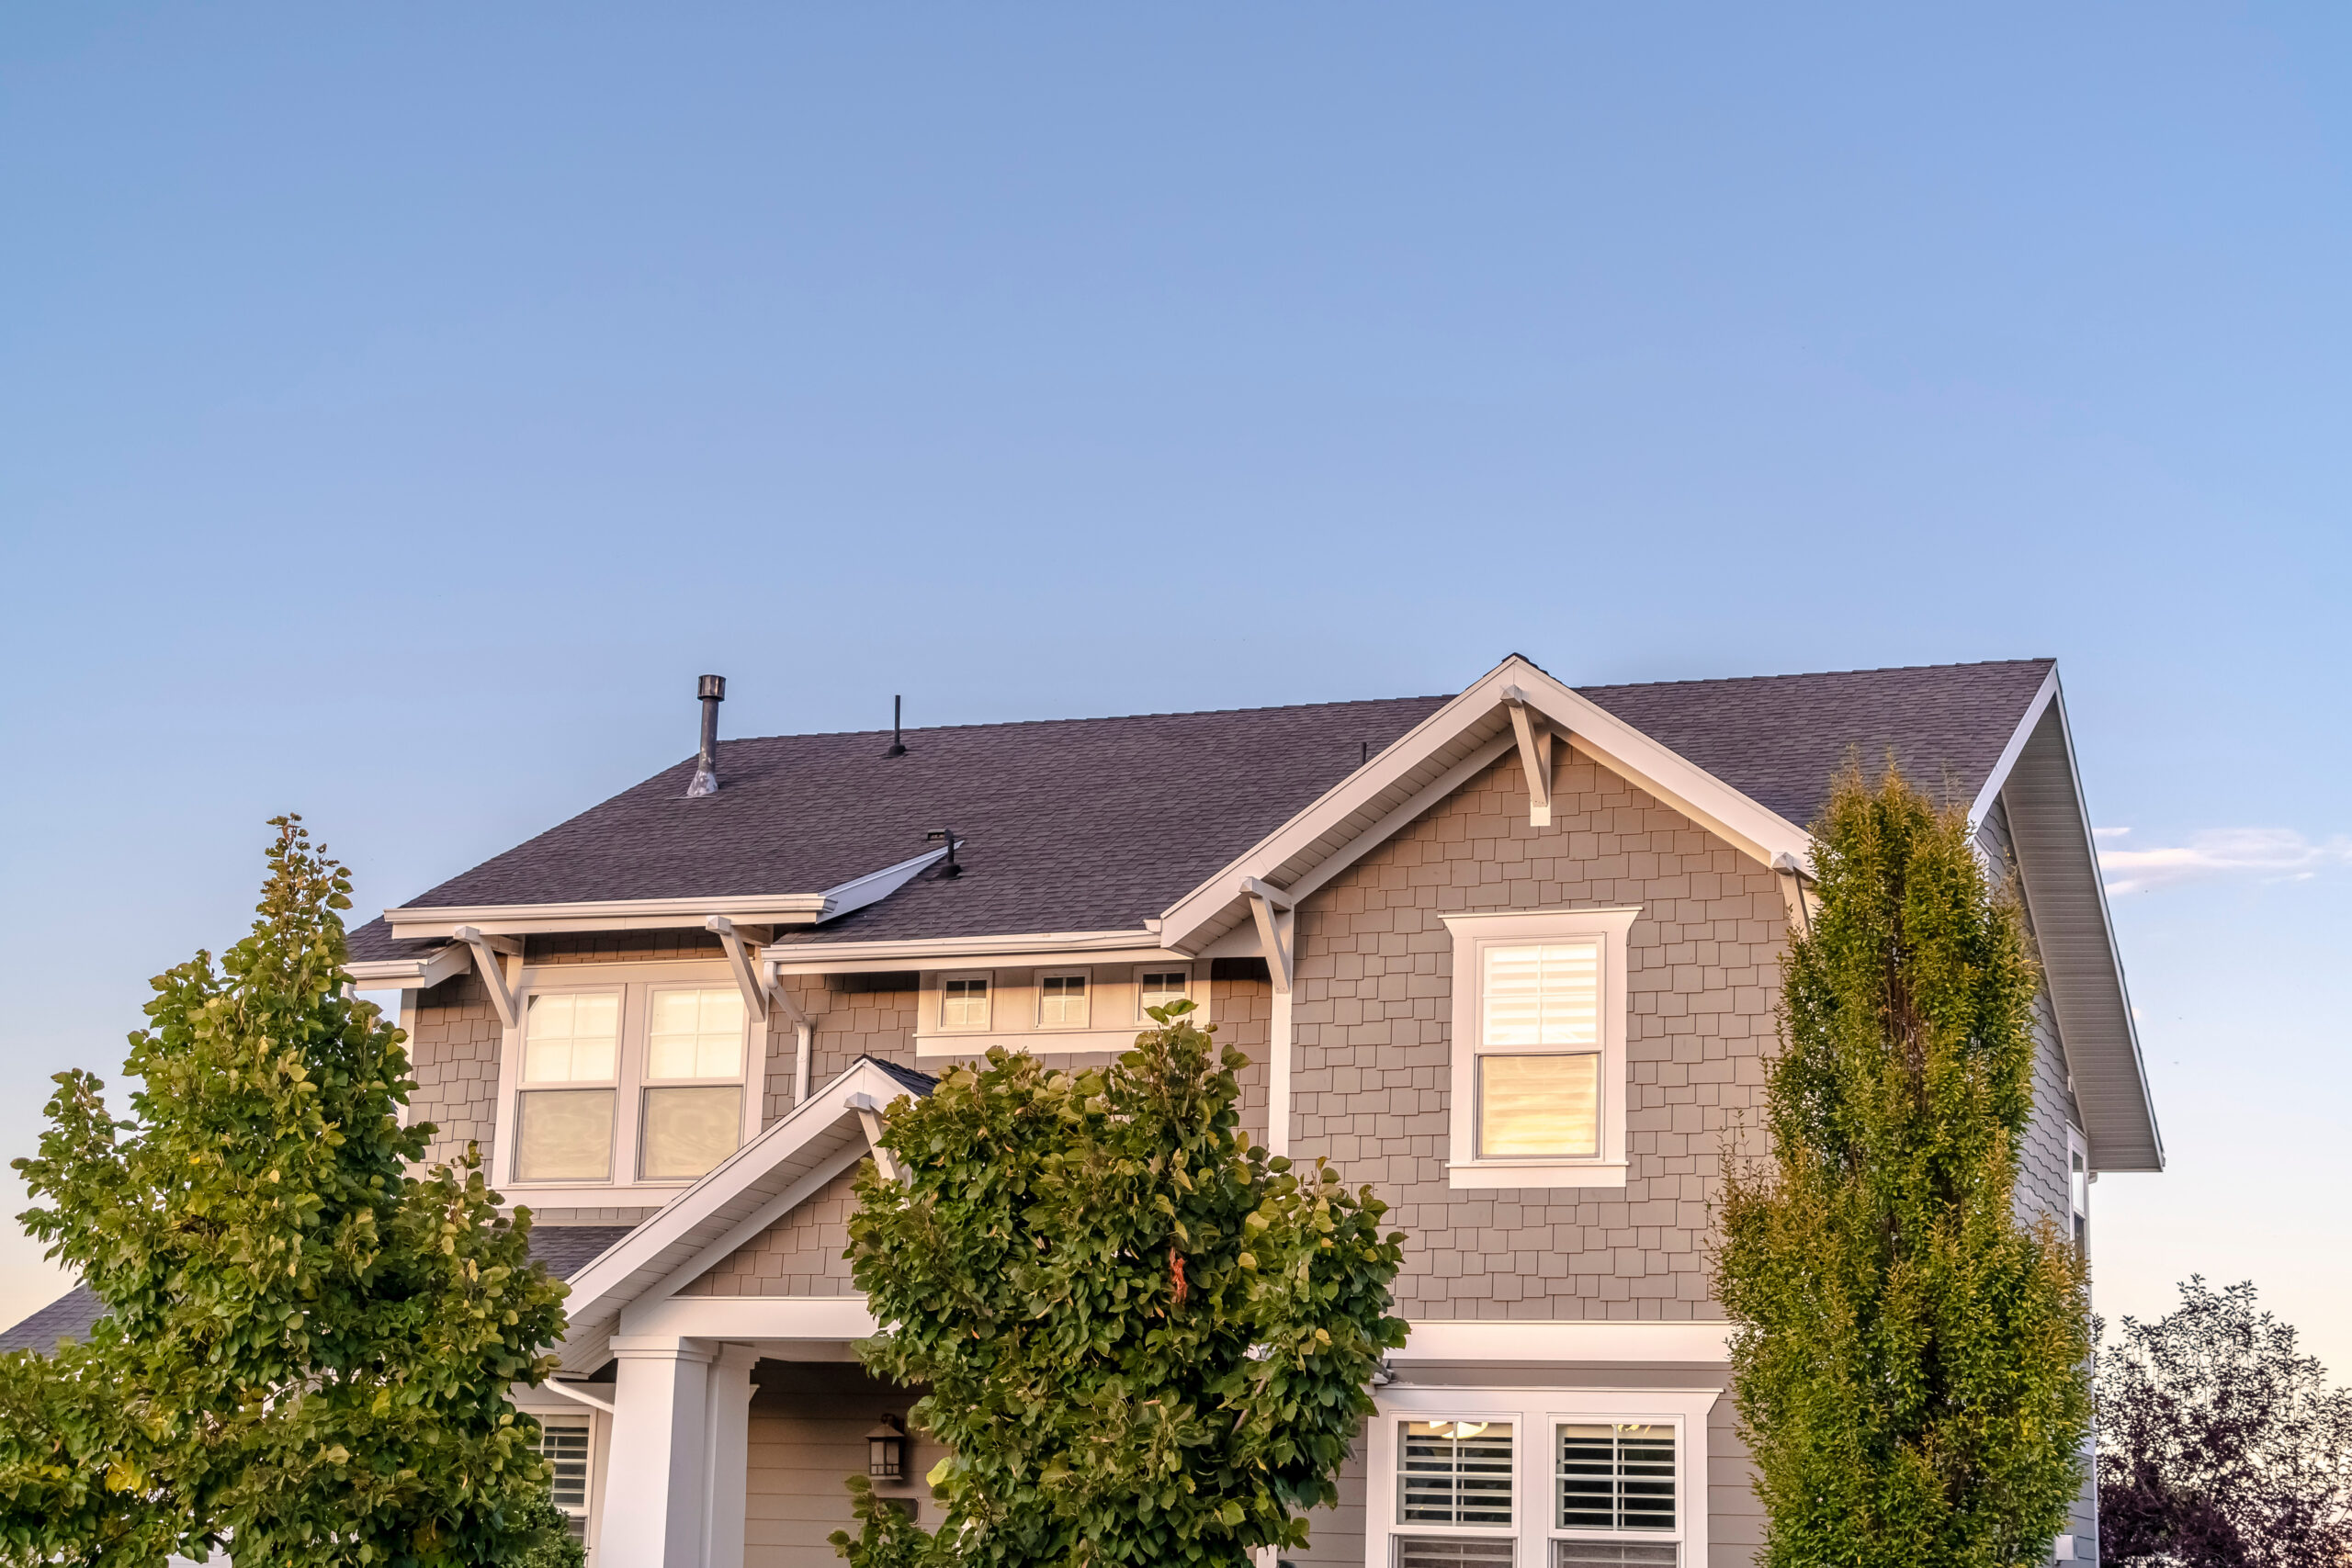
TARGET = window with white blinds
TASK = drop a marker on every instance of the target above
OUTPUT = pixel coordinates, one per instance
(1454, 1472)
(564, 1445)
(1539, 1048)
(1616, 1476)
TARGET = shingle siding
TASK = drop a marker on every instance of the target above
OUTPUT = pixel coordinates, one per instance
(454, 1037)
(800, 1255)
(1373, 1014)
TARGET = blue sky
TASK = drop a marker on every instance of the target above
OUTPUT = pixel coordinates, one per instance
(399, 408)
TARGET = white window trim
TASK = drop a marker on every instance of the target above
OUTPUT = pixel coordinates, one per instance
(1534, 1412)
(1037, 987)
(938, 1020)
(1472, 935)
(1142, 969)
(2078, 1148)
(636, 983)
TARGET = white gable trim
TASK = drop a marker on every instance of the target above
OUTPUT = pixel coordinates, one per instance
(2006, 762)
(755, 1186)
(1480, 717)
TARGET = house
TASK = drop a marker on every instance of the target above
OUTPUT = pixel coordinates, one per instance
(670, 1024)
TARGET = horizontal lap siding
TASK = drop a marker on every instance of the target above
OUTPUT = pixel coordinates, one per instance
(808, 1435)
(1735, 1513)
(1373, 1012)
(1335, 1535)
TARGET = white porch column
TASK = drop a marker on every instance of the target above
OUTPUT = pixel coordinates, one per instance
(656, 1494)
(728, 1431)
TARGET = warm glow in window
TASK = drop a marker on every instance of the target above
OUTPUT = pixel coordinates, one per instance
(1542, 996)
(695, 1034)
(1454, 1472)
(964, 1004)
(1061, 1001)
(566, 1135)
(1160, 986)
(571, 1039)
(1537, 1106)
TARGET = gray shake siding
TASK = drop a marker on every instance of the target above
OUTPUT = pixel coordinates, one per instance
(800, 1255)
(1372, 1069)
(453, 1056)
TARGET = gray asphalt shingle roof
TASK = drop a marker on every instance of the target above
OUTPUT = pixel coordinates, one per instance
(1098, 824)
(565, 1249)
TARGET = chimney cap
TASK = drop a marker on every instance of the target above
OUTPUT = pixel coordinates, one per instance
(712, 689)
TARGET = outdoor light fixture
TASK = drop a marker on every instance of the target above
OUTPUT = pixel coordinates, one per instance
(886, 1450)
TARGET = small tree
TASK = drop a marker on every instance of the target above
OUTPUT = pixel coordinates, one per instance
(1910, 1362)
(306, 1352)
(1145, 1341)
(2220, 1445)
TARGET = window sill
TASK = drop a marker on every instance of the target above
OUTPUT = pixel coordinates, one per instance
(1040, 1041)
(1537, 1173)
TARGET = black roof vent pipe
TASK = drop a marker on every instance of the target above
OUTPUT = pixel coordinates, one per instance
(713, 692)
(898, 741)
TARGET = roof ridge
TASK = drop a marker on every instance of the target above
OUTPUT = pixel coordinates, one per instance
(1815, 674)
(1092, 718)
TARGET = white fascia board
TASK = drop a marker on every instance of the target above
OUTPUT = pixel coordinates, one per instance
(608, 915)
(701, 1214)
(1487, 1341)
(1011, 950)
(1748, 826)
(419, 974)
(2007, 760)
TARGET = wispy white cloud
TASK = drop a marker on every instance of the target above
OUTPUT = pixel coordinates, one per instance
(2265, 854)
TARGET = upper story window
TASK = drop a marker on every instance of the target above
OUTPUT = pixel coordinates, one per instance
(1061, 1001)
(1160, 989)
(636, 1082)
(1538, 1051)
(563, 1114)
(693, 1114)
(2079, 1189)
(964, 1002)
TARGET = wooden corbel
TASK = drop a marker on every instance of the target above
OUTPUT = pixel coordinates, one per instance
(738, 962)
(1534, 732)
(869, 1116)
(1277, 916)
(1794, 884)
(489, 953)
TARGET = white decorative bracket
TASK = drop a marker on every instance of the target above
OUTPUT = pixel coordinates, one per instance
(765, 992)
(1277, 916)
(1794, 886)
(489, 954)
(1534, 732)
(573, 1391)
(869, 1116)
(733, 938)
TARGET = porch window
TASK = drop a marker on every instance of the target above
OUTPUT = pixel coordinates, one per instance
(564, 1445)
(1454, 1472)
(1617, 1476)
(693, 1115)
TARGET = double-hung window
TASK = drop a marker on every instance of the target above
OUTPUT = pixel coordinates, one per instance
(693, 1115)
(1614, 1485)
(1539, 1048)
(643, 1080)
(563, 1111)
(1452, 1475)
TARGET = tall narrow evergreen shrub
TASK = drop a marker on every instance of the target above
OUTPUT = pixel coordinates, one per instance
(1910, 1360)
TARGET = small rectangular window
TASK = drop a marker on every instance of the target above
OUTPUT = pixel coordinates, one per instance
(564, 1445)
(1616, 1477)
(964, 1004)
(1454, 1472)
(1061, 1001)
(1160, 987)
(2078, 1192)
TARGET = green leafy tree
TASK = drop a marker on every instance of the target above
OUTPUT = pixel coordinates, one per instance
(306, 1350)
(1910, 1363)
(1145, 1341)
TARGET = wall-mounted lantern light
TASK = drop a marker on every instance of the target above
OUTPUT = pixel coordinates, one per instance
(886, 1450)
